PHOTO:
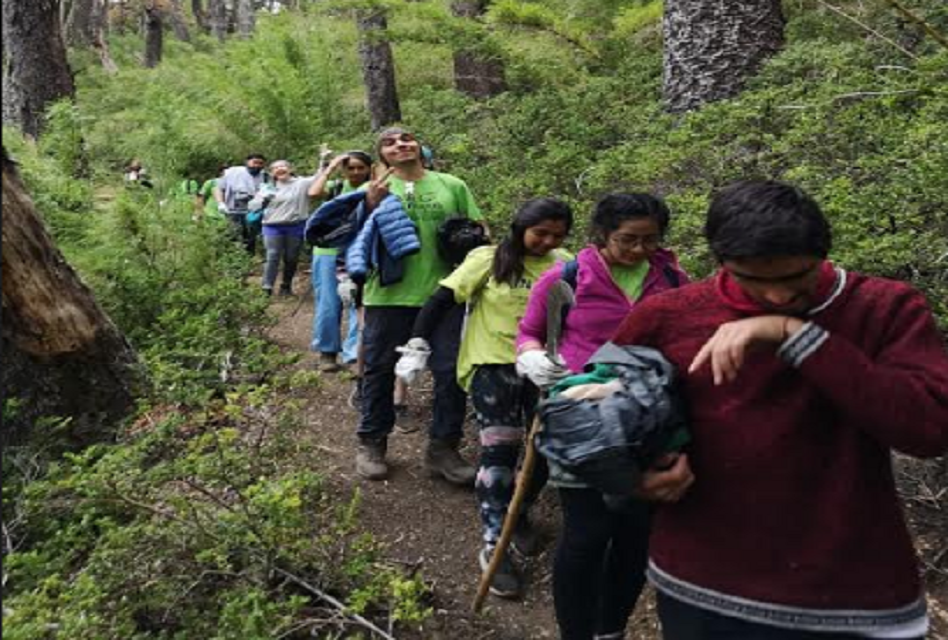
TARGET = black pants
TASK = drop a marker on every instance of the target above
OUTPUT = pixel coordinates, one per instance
(681, 621)
(244, 232)
(390, 327)
(600, 564)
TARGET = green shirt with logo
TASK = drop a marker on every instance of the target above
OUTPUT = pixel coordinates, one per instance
(431, 201)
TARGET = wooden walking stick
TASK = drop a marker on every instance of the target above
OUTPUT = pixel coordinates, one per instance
(559, 299)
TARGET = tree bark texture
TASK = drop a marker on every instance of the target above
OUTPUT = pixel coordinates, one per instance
(80, 26)
(246, 18)
(154, 35)
(178, 23)
(712, 47)
(36, 72)
(217, 18)
(197, 8)
(62, 355)
(378, 69)
(476, 74)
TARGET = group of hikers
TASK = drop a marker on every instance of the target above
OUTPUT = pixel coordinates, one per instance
(778, 519)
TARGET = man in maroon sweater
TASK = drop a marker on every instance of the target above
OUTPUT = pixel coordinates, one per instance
(782, 519)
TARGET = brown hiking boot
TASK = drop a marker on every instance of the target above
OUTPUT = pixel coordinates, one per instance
(370, 459)
(442, 459)
(328, 364)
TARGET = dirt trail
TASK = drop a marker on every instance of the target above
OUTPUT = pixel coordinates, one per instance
(425, 522)
(431, 525)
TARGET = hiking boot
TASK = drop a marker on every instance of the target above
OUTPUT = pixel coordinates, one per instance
(403, 422)
(525, 540)
(442, 459)
(286, 292)
(327, 363)
(370, 459)
(506, 582)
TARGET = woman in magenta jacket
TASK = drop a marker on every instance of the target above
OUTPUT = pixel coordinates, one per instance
(600, 564)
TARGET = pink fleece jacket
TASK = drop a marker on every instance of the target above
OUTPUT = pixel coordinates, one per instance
(600, 306)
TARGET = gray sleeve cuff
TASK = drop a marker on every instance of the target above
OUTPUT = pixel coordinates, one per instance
(802, 344)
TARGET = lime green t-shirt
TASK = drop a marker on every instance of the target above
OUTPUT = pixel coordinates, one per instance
(490, 334)
(436, 197)
(210, 203)
(630, 279)
(346, 188)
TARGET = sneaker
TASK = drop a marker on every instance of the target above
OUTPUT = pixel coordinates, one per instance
(442, 459)
(370, 459)
(506, 582)
(328, 364)
(525, 540)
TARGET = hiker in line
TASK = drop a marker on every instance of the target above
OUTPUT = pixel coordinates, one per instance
(495, 282)
(234, 191)
(328, 266)
(599, 570)
(205, 196)
(429, 198)
(135, 173)
(285, 204)
(800, 379)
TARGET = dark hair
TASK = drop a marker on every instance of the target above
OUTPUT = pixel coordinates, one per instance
(362, 156)
(256, 156)
(508, 260)
(764, 218)
(615, 208)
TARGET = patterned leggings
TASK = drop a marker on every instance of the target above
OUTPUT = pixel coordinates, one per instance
(504, 403)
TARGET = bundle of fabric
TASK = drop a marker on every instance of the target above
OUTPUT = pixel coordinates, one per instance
(609, 424)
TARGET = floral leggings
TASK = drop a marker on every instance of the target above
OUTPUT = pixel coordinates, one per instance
(504, 404)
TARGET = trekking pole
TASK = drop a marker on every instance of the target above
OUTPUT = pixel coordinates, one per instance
(513, 514)
(559, 299)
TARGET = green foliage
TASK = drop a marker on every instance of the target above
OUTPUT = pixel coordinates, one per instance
(206, 524)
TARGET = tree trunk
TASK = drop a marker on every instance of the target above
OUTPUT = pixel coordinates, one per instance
(36, 72)
(378, 69)
(100, 41)
(62, 356)
(246, 18)
(712, 47)
(217, 18)
(178, 24)
(476, 73)
(80, 29)
(154, 35)
(200, 17)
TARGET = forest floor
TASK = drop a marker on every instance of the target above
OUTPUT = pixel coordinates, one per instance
(428, 525)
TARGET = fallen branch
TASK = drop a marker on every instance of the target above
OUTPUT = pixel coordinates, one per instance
(930, 30)
(845, 15)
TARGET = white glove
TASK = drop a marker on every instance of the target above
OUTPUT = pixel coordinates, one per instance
(542, 371)
(346, 290)
(414, 359)
(222, 208)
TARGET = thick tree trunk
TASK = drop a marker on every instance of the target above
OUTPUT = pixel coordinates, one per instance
(36, 72)
(475, 73)
(712, 47)
(378, 69)
(246, 18)
(80, 26)
(178, 23)
(217, 18)
(62, 356)
(154, 35)
(100, 41)
(197, 8)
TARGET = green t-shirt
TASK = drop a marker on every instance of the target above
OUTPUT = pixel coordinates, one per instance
(630, 279)
(436, 197)
(490, 334)
(210, 203)
(331, 185)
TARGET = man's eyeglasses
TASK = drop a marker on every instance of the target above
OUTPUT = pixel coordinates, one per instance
(649, 243)
(389, 141)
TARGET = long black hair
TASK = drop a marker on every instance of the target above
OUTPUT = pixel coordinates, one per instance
(508, 260)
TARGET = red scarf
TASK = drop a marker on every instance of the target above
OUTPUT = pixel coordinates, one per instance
(735, 297)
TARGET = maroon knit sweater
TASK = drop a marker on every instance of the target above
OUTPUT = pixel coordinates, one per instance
(794, 502)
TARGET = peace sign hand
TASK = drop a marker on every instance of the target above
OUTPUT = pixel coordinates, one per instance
(378, 189)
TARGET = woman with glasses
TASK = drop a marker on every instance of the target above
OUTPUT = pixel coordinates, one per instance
(600, 563)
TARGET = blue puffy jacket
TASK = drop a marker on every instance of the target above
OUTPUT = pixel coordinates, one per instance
(387, 236)
(336, 222)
